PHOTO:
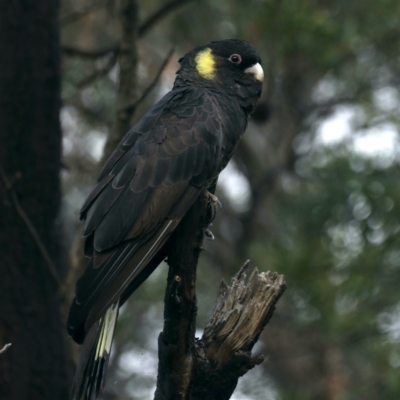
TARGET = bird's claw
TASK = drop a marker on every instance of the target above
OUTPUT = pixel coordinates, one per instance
(214, 201)
(213, 206)
(209, 235)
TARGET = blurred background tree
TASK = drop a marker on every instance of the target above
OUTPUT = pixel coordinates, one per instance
(312, 191)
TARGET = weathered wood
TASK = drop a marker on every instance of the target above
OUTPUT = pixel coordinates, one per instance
(240, 313)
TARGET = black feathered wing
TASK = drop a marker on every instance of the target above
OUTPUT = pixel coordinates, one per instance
(143, 191)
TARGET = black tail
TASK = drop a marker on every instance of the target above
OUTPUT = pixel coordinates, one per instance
(91, 371)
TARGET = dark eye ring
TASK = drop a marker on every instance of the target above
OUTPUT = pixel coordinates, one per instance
(235, 58)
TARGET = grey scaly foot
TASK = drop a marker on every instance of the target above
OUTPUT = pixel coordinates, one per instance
(213, 206)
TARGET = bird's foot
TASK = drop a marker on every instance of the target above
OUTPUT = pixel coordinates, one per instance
(213, 206)
(213, 200)
(209, 235)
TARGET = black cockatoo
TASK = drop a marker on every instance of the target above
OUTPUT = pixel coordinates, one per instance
(161, 166)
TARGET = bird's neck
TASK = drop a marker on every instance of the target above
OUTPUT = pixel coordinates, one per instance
(244, 94)
(187, 78)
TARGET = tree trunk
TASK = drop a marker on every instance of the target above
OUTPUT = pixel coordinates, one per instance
(35, 366)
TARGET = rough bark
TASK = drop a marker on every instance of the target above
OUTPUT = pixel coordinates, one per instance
(209, 368)
(176, 344)
(35, 366)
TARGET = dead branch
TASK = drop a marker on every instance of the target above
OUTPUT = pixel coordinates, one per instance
(241, 312)
(160, 14)
(209, 368)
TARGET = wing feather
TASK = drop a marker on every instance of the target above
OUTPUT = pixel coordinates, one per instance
(137, 261)
(115, 156)
(190, 162)
(117, 222)
(126, 173)
(160, 172)
(141, 181)
(99, 208)
(94, 194)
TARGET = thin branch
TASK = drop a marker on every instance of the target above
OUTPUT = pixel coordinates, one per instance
(35, 235)
(98, 73)
(111, 63)
(160, 14)
(5, 347)
(92, 54)
(154, 83)
(76, 14)
(142, 30)
(324, 109)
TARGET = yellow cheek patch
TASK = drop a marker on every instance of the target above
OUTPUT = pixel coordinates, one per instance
(205, 64)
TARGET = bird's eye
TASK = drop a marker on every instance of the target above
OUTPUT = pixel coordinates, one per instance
(235, 58)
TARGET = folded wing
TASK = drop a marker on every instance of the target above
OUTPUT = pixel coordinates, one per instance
(143, 191)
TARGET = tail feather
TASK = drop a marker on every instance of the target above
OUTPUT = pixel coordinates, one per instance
(90, 374)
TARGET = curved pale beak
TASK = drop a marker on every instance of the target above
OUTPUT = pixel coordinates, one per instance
(257, 71)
